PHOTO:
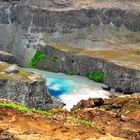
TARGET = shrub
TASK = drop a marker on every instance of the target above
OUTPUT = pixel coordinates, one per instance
(97, 77)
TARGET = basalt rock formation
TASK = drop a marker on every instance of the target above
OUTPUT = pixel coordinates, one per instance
(77, 37)
(26, 88)
(7, 57)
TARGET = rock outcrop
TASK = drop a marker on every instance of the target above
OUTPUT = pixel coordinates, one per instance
(26, 88)
(41, 15)
(93, 123)
(6, 57)
(120, 105)
(119, 77)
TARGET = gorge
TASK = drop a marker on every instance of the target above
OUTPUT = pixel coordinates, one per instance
(76, 38)
(70, 69)
(102, 39)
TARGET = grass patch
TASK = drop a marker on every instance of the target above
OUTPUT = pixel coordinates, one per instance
(79, 121)
(37, 58)
(97, 77)
(137, 1)
(15, 106)
(23, 108)
(55, 110)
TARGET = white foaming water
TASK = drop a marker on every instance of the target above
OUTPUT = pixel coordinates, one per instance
(82, 93)
(72, 89)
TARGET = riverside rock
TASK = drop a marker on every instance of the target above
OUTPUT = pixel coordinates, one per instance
(120, 105)
(26, 88)
(90, 103)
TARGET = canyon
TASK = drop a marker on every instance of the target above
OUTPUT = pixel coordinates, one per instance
(78, 38)
(48, 49)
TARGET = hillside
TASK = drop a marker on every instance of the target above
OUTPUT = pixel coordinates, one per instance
(55, 54)
(80, 124)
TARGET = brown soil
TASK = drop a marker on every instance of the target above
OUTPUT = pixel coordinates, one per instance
(30, 126)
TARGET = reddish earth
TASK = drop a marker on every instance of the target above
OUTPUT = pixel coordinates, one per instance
(109, 124)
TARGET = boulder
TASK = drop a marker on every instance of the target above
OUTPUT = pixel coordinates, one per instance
(90, 103)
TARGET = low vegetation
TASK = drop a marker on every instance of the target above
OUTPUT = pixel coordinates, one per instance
(97, 77)
(55, 59)
(37, 58)
(70, 72)
(23, 108)
(79, 121)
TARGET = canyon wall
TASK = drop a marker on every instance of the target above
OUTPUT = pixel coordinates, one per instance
(30, 26)
(121, 78)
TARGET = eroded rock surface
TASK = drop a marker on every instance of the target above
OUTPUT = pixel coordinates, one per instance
(7, 57)
(26, 88)
(125, 105)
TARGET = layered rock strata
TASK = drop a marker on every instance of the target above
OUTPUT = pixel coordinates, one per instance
(122, 79)
(109, 28)
(26, 88)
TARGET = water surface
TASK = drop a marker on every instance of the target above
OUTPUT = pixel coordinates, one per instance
(71, 88)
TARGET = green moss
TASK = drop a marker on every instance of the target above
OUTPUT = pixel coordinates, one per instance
(97, 77)
(79, 121)
(37, 58)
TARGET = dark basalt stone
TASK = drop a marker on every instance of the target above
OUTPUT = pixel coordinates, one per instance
(106, 88)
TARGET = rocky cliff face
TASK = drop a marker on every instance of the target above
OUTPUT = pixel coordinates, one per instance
(122, 79)
(111, 26)
(26, 88)
(53, 19)
(7, 57)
